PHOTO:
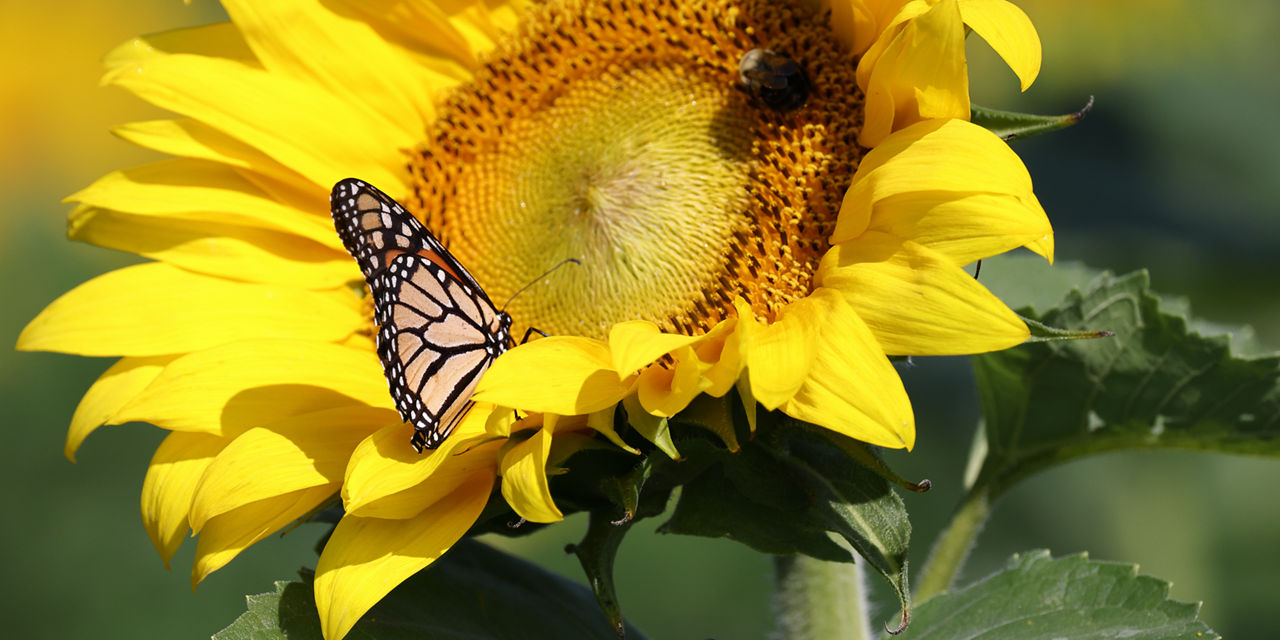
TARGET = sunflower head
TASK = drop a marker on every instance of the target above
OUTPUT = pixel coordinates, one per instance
(763, 199)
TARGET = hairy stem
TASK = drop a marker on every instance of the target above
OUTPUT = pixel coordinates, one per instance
(953, 544)
(820, 600)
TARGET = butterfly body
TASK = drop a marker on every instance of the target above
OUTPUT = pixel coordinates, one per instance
(438, 332)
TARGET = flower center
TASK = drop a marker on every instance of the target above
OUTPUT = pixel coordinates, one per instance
(621, 134)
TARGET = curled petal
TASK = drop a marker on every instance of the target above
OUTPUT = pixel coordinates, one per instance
(857, 23)
(665, 391)
(1009, 31)
(524, 476)
(919, 74)
(576, 376)
(721, 350)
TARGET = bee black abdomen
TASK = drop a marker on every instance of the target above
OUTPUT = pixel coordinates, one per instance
(779, 82)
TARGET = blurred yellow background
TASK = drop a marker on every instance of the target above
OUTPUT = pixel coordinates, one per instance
(1177, 169)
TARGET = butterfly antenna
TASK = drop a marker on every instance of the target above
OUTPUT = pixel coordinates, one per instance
(539, 278)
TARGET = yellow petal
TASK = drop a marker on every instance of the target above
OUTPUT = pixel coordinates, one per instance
(299, 124)
(117, 386)
(170, 484)
(964, 227)
(943, 156)
(233, 387)
(1009, 31)
(188, 138)
(884, 19)
(498, 424)
(781, 354)
(187, 189)
(565, 375)
(857, 23)
(427, 28)
(387, 478)
(524, 476)
(851, 388)
(310, 450)
(367, 557)
(637, 343)
(307, 40)
(665, 392)
(155, 309)
(920, 74)
(221, 39)
(225, 536)
(917, 301)
(233, 252)
(722, 351)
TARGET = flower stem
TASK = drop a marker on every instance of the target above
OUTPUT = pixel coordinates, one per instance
(820, 600)
(953, 544)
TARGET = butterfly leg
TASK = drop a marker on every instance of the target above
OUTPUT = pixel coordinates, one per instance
(531, 331)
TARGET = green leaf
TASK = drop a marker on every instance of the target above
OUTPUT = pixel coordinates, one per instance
(1010, 125)
(788, 490)
(289, 612)
(1155, 384)
(1071, 598)
(473, 593)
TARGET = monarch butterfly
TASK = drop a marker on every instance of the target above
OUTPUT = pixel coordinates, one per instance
(438, 331)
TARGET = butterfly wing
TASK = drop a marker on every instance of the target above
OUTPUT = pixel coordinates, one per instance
(438, 331)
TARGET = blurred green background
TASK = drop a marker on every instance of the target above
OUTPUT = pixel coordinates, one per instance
(1177, 169)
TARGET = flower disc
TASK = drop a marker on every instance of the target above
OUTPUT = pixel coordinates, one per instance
(621, 134)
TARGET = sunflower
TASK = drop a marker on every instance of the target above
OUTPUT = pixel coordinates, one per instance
(728, 238)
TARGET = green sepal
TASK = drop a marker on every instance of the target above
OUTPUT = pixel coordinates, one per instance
(1041, 332)
(1010, 125)
(596, 552)
(714, 415)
